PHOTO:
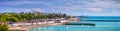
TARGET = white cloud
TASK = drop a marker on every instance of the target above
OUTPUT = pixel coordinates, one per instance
(104, 4)
(88, 5)
(95, 9)
(24, 2)
(27, 10)
(115, 11)
(96, 5)
(37, 9)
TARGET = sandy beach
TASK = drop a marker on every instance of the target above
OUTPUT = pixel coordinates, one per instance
(39, 24)
(26, 28)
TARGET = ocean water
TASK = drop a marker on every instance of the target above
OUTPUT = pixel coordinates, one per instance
(105, 25)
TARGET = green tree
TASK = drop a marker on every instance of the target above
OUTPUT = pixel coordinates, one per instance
(3, 27)
(12, 19)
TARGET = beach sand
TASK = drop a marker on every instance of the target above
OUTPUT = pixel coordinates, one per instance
(26, 28)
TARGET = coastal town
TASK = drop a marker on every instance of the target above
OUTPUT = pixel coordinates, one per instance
(59, 15)
(57, 19)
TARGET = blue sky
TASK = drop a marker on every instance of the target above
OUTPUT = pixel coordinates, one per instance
(70, 7)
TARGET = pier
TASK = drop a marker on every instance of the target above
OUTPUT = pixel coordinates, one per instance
(88, 24)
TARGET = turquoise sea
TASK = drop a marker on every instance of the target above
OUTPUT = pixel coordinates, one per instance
(103, 23)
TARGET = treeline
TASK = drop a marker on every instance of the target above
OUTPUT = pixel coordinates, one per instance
(22, 17)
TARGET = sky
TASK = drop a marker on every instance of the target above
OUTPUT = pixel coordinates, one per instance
(69, 7)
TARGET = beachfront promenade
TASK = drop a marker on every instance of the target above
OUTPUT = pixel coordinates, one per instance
(25, 26)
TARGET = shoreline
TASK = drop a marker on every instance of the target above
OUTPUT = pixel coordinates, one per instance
(26, 28)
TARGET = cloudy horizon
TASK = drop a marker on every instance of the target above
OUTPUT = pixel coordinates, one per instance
(70, 7)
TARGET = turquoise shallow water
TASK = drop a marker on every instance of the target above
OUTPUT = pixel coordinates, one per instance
(100, 26)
